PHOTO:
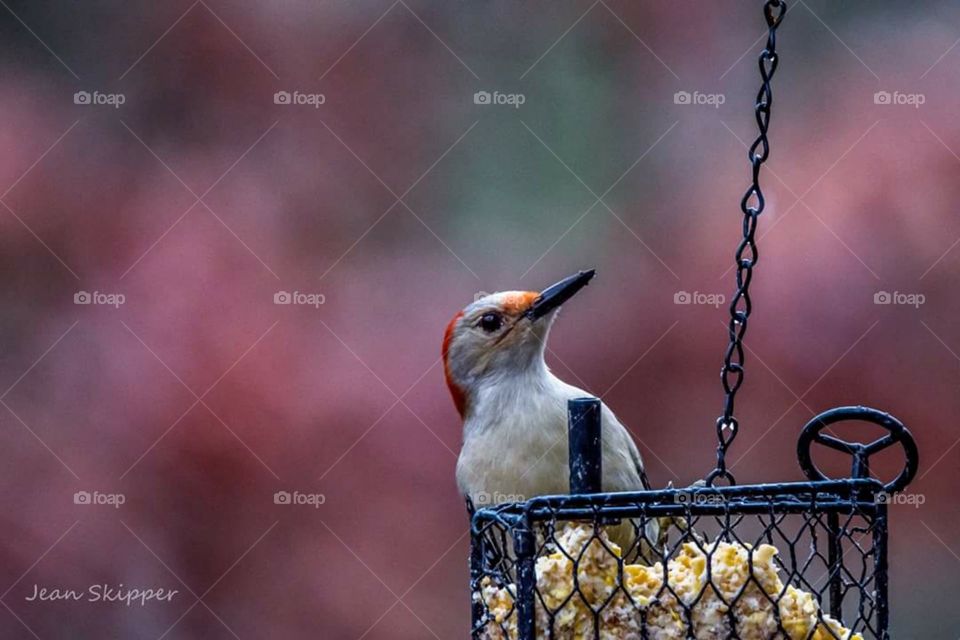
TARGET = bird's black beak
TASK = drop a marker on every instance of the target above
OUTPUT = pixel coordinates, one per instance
(555, 295)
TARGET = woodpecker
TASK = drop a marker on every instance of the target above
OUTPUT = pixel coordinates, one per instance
(514, 409)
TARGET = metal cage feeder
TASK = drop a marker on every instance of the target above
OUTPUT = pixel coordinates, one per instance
(762, 561)
(831, 536)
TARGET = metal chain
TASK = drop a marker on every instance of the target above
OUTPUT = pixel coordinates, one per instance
(751, 205)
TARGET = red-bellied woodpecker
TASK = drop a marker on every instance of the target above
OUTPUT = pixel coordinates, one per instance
(514, 409)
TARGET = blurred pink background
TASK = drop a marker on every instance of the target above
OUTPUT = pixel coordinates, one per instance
(398, 199)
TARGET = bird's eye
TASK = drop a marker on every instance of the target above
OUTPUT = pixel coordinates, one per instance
(491, 322)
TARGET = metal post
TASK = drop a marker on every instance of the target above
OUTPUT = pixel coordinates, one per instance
(476, 573)
(525, 548)
(835, 558)
(880, 570)
(584, 441)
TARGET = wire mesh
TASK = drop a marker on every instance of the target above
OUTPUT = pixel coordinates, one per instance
(795, 560)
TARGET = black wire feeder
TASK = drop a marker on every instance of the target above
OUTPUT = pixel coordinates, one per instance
(830, 535)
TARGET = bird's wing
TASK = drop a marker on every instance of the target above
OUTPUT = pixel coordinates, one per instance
(638, 462)
(622, 464)
(622, 438)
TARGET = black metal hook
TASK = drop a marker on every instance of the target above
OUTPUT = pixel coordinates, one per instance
(897, 433)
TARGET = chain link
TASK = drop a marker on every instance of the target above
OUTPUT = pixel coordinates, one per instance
(751, 205)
